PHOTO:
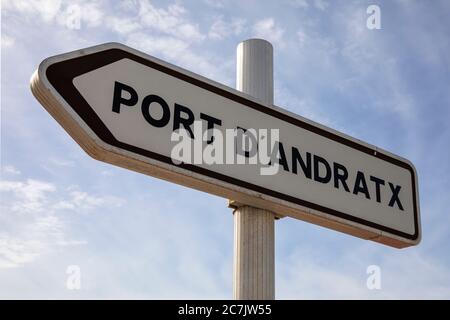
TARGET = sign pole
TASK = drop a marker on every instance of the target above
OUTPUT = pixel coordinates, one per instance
(254, 236)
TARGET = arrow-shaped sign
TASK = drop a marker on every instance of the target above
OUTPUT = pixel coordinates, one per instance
(138, 112)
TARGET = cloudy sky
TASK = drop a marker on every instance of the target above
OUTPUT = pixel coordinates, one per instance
(133, 236)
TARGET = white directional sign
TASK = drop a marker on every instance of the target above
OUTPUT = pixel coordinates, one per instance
(135, 111)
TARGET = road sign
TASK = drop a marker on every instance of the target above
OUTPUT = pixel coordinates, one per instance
(126, 108)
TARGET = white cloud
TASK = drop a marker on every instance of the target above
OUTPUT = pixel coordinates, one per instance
(81, 14)
(10, 169)
(27, 197)
(404, 275)
(92, 14)
(31, 240)
(357, 43)
(321, 4)
(177, 51)
(166, 46)
(171, 21)
(83, 200)
(61, 162)
(373, 66)
(129, 6)
(84, 13)
(140, 251)
(302, 37)
(14, 252)
(316, 44)
(45, 9)
(304, 107)
(167, 32)
(24, 239)
(34, 196)
(306, 280)
(217, 4)
(302, 4)
(123, 25)
(221, 29)
(7, 41)
(107, 173)
(267, 29)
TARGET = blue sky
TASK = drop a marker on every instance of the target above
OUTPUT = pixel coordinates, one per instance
(134, 236)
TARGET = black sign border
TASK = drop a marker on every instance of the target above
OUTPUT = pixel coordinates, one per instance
(61, 74)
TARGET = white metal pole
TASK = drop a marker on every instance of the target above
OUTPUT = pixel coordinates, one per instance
(254, 236)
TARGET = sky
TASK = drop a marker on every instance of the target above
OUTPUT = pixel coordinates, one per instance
(132, 236)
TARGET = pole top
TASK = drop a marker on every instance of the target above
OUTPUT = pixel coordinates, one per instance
(254, 69)
(261, 44)
(260, 40)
